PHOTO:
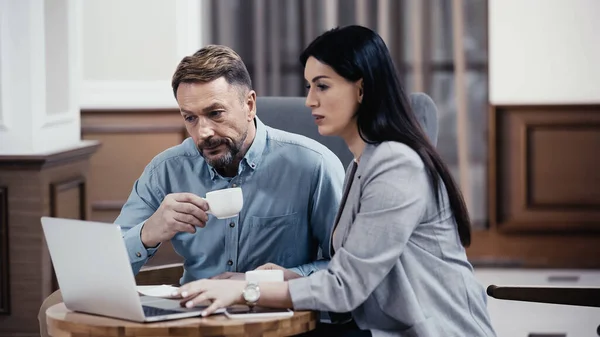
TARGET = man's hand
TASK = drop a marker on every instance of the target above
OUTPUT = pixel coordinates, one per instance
(287, 274)
(179, 212)
(229, 276)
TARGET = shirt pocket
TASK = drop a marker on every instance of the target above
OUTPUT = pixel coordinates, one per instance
(273, 239)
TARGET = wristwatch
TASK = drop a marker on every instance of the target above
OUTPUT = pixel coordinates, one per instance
(251, 293)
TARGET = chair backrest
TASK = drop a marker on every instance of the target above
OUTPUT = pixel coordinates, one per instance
(427, 114)
(290, 114)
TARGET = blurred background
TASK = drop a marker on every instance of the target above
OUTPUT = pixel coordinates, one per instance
(86, 103)
(271, 34)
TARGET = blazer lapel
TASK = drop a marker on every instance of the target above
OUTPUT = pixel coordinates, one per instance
(350, 199)
(353, 165)
(349, 175)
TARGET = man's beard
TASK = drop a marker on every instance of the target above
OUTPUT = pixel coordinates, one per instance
(225, 160)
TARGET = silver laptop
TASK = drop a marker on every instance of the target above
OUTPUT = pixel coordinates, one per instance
(95, 276)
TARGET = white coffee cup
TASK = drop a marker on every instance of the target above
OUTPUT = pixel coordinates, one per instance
(270, 275)
(225, 203)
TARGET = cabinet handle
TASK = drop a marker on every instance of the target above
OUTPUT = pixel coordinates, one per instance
(563, 278)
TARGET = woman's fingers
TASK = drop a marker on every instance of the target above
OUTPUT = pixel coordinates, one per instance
(215, 303)
(192, 302)
(220, 293)
(212, 308)
(189, 290)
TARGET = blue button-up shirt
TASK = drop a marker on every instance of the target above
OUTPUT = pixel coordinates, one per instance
(291, 184)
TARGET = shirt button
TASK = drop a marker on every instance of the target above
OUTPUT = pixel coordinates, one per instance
(138, 254)
(229, 263)
(233, 185)
(232, 224)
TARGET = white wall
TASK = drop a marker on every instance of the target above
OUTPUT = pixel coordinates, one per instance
(39, 76)
(131, 48)
(544, 51)
(57, 56)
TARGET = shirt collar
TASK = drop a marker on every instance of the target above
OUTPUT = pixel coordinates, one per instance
(253, 156)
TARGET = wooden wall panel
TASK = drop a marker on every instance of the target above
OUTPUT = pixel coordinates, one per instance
(544, 204)
(492, 248)
(130, 139)
(28, 275)
(119, 162)
(4, 261)
(564, 186)
(68, 199)
(37, 186)
(547, 161)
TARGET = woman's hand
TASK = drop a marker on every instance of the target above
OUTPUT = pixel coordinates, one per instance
(287, 274)
(221, 294)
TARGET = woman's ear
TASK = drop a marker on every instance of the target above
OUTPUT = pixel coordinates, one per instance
(359, 87)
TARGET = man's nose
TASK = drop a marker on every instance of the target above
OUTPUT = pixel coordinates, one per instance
(204, 130)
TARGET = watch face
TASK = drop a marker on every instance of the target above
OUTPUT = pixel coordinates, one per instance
(251, 294)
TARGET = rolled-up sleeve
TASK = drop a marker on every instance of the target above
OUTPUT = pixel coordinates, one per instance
(394, 194)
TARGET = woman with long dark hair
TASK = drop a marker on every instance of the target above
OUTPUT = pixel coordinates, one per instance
(398, 259)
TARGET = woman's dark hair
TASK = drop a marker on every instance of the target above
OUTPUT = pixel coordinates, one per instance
(355, 53)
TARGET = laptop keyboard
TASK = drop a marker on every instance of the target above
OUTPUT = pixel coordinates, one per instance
(153, 311)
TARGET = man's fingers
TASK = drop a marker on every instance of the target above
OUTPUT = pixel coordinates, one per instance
(192, 199)
(180, 226)
(229, 276)
(186, 218)
(192, 209)
(222, 276)
(267, 266)
(237, 276)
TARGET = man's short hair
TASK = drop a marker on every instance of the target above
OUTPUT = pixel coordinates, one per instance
(209, 64)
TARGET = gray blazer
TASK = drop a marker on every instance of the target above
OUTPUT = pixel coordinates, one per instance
(398, 265)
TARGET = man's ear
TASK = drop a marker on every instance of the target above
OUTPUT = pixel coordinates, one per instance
(250, 102)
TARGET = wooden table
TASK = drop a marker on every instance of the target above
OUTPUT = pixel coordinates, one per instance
(65, 323)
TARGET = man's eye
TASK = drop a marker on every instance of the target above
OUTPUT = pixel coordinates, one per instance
(215, 113)
(190, 119)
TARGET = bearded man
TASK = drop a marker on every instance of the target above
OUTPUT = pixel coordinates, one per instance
(291, 184)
